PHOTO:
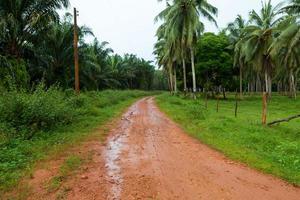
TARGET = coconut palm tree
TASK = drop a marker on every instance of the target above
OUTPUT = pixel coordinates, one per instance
(259, 37)
(163, 53)
(236, 37)
(286, 50)
(183, 28)
(293, 7)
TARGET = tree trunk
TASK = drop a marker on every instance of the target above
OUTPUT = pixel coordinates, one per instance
(169, 84)
(193, 72)
(257, 83)
(270, 86)
(296, 84)
(224, 93)
(249, 88)
(241, 82)
(266, 82)
(175, 81)
(293, 90)
(184, 75)
(171, 79)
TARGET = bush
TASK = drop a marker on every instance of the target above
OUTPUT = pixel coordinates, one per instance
(13, 73)
(24, 114)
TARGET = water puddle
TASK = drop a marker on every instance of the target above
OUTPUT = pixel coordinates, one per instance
(115, 146)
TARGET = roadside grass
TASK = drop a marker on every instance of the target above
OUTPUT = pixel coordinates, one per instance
(70, 165)
(274, 150)
(90, 111)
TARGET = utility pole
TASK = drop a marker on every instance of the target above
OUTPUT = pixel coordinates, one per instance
(77, 84)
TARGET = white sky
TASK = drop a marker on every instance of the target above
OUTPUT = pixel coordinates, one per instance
(128, 25)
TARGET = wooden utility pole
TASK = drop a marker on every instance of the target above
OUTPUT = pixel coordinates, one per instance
(77, 84)
(264, 112)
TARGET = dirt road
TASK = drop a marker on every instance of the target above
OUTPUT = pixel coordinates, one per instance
(147, 156)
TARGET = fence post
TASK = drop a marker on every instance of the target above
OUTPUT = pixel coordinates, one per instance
(264, 111)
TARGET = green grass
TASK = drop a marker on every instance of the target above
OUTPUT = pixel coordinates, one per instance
(71, 164)
(274, 150)
(90, 111)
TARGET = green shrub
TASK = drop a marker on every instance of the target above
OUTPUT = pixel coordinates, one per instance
(13, 73)
(25, 114)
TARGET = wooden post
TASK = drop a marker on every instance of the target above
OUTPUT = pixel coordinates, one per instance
(236, 104)
(77, 84)
(264, 111)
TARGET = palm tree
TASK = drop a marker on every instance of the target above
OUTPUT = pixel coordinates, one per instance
(97, 73)
(183, 28)
(293, 7)
(236, 36)
(21, 21)
(163, 53)
(259, 37)
(53, 55)
(286, 50)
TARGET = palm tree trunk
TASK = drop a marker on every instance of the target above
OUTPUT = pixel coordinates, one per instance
(175, 81)
(169, 84)
(241, 82)
(193, 72)
(171, 79)
(292, 85)
(257, 83)
(296, 84)
(266, 82)
(184, 75)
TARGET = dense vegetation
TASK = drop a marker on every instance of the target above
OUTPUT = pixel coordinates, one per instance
(274, 150)
(265, 48)
(37, 46)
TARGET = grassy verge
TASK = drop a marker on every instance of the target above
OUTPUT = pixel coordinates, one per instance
(274, 150)
(88, 111)
(71, 164)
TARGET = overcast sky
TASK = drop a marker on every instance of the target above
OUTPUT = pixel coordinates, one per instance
(128, 25)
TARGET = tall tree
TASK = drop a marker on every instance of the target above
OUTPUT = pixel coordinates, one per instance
(259, 37)
(236, 36)
(286, 50)
(183, 28)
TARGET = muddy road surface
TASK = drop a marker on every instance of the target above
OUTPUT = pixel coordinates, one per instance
(147, 156)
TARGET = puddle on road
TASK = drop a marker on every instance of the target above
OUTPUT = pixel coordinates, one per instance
(116, 144)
